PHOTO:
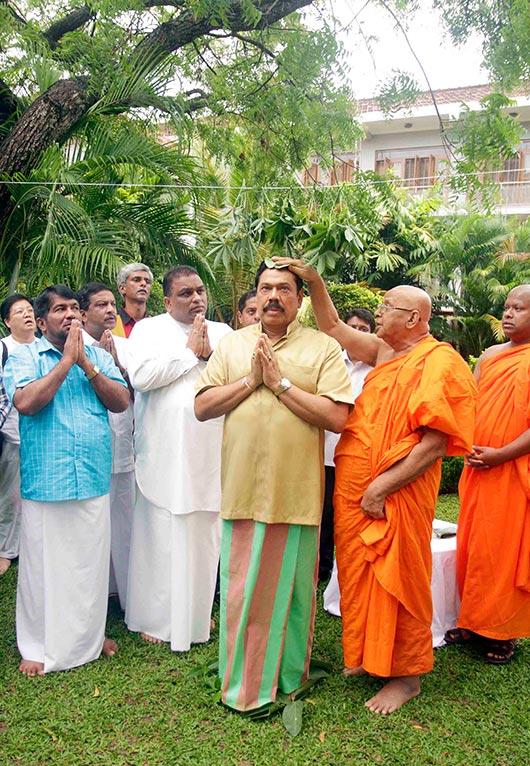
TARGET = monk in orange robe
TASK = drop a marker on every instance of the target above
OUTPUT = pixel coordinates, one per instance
(493, 542)
(417, 405)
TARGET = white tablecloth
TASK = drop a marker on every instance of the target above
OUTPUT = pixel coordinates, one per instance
(445, 598)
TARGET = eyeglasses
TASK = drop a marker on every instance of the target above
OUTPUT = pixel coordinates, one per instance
(385, 307)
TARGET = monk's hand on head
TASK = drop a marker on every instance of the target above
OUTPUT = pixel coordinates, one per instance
(373, 502)
(298, 267)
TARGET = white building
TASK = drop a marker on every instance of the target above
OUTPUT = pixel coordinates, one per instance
(410, 143)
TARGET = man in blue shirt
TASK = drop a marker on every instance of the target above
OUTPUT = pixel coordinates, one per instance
(63, 390)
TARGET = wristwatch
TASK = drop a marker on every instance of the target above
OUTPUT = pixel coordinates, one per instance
(285, 384)
(93, 372)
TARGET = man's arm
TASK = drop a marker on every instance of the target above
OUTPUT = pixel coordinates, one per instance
(422, 456)
(367, 348)
(220, 400)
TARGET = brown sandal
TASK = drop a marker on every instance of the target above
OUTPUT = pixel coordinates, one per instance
(460, 636)
(500, 652)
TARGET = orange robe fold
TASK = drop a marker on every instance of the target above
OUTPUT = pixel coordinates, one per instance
(385, 565)
(493, 542)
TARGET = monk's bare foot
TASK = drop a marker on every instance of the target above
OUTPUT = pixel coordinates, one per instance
(4, 565)
(358, 671)
(31, 668)
(212, 624)
(395, 693)
(110, 647)
(151, 639)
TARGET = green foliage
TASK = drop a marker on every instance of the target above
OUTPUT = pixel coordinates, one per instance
(451, 470)
(399, 92)
(483, 140)
(504, 28)
(345, 298)
(478, 260)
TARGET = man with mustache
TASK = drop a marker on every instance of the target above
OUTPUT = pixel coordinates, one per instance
(175, 535)
(98, 309)
(279, 385)
(62, 390)
(493, 540)
(134, 284)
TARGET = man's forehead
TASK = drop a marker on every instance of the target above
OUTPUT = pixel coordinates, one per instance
(276, 277)
(103, 295)
(58, 299)
(138, 274)
(185, 281)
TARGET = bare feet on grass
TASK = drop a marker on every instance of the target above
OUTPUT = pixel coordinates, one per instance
(4, 565)
(31, 668)
(358, 671)
(110, 647)
(395, 693)
(151, 639)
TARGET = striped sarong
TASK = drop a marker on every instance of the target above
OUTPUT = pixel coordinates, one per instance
(268, 598)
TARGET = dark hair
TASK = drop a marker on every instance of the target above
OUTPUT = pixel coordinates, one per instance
(7, 305)
(87, 291)
(41, 304)
(263, 267)
(364, 315)
(242, 302)
(175, 273)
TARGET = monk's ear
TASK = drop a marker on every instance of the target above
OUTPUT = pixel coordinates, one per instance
(415, 317)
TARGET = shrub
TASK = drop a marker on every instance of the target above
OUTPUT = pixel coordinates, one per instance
(451, 470)
(345, 298)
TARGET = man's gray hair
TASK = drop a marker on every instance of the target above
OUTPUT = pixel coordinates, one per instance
(126, 271)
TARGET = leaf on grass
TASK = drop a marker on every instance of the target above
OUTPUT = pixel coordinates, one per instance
(418, 725)
(292, 717)
(322, 736)
(311, 702)
(96, 692)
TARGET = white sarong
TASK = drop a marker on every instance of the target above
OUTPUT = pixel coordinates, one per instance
(63, 581)
(172, 574)
(122, 494)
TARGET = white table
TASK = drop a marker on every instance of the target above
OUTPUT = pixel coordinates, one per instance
(445, 598)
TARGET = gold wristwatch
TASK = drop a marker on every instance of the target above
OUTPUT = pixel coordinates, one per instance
(92, 374)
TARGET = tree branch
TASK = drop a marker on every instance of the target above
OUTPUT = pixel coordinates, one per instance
(69, 23)
(248, 40)
(173, 35)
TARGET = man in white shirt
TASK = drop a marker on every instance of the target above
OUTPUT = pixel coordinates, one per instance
(363, 321)
(176, 532)
(17, 315)
(98, 309)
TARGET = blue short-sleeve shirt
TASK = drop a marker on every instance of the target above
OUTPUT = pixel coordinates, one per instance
(65, 449)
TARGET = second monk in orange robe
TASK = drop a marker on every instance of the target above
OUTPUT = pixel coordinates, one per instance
(493, 543)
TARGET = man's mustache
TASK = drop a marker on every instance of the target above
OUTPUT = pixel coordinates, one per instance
(273, 305)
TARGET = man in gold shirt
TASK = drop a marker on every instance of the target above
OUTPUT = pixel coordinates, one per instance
(279, 385)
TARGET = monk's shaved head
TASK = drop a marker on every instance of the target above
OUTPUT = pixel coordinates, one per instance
(521, 291)
(412, 298)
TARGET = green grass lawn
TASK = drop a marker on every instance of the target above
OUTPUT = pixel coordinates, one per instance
(148, 706)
